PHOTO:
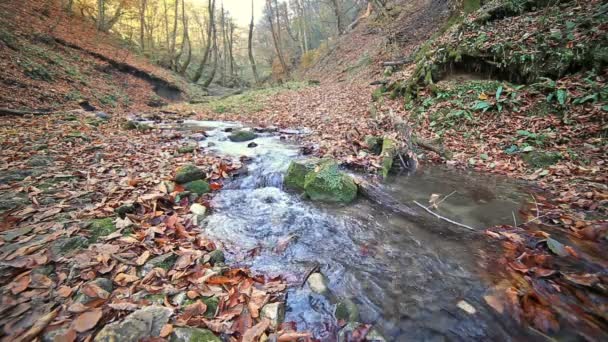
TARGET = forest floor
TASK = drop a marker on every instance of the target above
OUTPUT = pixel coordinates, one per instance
(93, 228)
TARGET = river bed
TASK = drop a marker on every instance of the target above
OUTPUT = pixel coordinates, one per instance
(409, 280)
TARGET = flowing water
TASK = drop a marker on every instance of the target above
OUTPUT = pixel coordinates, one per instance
(406, 279)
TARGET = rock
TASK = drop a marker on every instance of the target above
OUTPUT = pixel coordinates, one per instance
(275, 312)
(241, 135)
(188, 173)
(328, 184)
(39, 161)
(346, 334)
(198, 187)
(11, 176)
(252, 145)
(540, 159)
(125, 209)
(146, 322)
(99, 228)
(216, 257)
(55, 334)
(268, 129)
(198, 209)
(318, 284)
(347, 310)
(65, 246)
(374, 144)
(389, 152)
(179, 299)
(297, 171)
(186, 149)
(103, 116)
(164, 261)
(212, 304)
(103, 283)
(188, 334)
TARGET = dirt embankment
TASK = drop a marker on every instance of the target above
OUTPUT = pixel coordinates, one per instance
(51, 60)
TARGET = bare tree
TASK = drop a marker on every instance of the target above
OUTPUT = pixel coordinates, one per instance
(336, 7)
(210, 31)
(250, 47)
(276, 36)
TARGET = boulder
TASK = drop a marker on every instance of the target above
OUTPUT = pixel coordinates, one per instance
(389, 152)
(188, 173)
(216, 257)
(242, 135)
(328, 184)
(189, 334)
(297, 171)
(146, 322)
(198, 187)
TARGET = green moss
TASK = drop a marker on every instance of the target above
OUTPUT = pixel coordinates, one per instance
(347, 310)
(198, 187)
(240, 136)
(389, 152)
(157, 298)
(328, 184)
(186, 149)
(374, 144)
(540, 159)
(297, 171)
(188, 173)
(99, 228)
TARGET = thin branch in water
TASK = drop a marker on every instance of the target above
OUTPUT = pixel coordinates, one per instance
(446, 197)
(444, 218)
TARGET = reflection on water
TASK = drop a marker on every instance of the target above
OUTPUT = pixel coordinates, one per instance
(405, 278)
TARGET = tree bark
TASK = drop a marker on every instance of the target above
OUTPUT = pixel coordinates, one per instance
(250, 48)
(142, 24)
(336, 7)
(276, 37)
(215, 59)
(210, 29)
(184, 67)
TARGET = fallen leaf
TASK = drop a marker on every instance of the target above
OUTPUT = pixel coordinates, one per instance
(166, 330)
(256, 331)
(87, 320)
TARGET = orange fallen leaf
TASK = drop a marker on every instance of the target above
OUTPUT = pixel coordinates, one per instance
(166, 330)
(142, 258)
(64, 291)
(87, 320)
(20, 284)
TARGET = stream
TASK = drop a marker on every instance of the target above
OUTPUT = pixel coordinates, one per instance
(406, 279)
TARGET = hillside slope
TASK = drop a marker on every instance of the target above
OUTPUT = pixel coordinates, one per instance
(51, 60)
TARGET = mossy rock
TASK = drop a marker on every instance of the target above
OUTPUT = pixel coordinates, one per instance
(188, 173)
(190, 334)
(389, 152)
(164, 261)
(10, 201)
(374, 144)
(186, 149)
(99, 228)
(125, 209)
(216, 257)
(241, 135)
(198, 187)
(540, 159)
(297, 171)
(211, 303)
(328, 184)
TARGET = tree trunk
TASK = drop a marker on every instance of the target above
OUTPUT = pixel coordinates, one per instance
(215, 59)
(338, 14)
(250, 48)
(184, 67)
(142, 24)
(210, 30)
(276, 37)
(174, 34)
(101, 15)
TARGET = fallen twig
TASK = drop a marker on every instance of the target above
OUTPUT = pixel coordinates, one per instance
(444, 218)
(9, 111)
(312, 270)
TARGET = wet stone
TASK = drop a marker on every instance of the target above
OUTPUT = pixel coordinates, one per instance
(347, 333)
(318, 284)
(241, 136)
(199, 187)
(99, 228)
(103, 283)
(164, 261)
(216, 257)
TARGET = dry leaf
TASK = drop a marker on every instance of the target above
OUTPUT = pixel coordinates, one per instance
(87, 320)
(166, 330)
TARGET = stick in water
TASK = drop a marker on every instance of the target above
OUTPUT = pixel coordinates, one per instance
(443, 218)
